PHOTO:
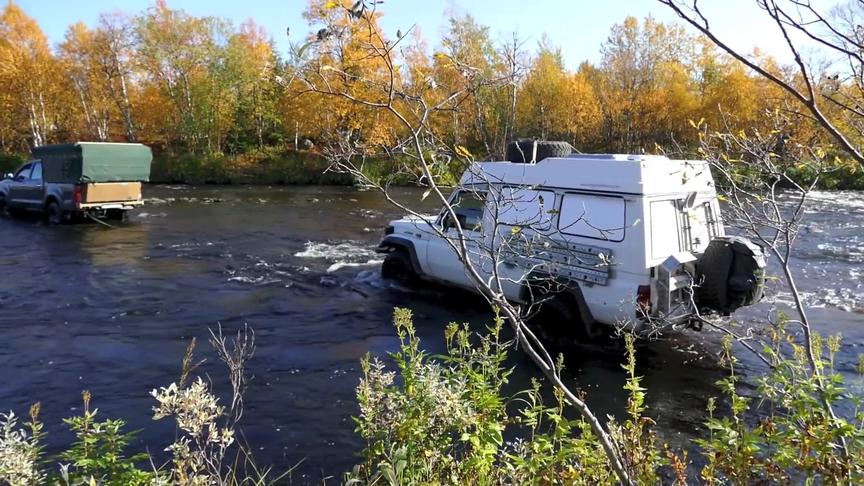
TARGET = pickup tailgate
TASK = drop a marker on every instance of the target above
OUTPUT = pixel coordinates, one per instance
(106, 192)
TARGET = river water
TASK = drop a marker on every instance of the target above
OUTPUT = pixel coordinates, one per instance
(111, 310)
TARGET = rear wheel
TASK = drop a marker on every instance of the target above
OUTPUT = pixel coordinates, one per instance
(559, 322)
(53, 213)
(397, 266)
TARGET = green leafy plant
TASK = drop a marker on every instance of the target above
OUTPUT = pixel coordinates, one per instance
(98, 452)
(443, 420)
(795, 437)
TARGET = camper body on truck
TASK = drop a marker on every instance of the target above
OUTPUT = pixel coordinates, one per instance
(74, 181)
(634, 240)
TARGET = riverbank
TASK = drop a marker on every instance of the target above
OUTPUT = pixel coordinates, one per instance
(305, 168)
(287, 167)
(264, 167)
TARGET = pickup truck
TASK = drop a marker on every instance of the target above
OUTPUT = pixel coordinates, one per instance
(76, 181)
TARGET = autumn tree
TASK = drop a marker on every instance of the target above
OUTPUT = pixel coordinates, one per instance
(554, 103)
(79, 61)
(183, 56)
(468, 63)
(114, 55)
(830, 92)
(252, 66)
(336, 52)
(643, 84)
(30, 77)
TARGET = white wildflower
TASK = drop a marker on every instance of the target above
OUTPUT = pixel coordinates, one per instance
(19, 454)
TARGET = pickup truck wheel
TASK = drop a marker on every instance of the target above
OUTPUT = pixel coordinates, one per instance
(397, 266)
(54, 213)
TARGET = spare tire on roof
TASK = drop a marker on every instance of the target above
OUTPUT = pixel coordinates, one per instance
(522, 151)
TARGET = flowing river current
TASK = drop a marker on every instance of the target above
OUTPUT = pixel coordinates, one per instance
(111, 310)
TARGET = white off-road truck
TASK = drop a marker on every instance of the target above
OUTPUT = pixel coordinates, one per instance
(632, 240)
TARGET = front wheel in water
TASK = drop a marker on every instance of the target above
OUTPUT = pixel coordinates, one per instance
(54, 213)
(398, 267)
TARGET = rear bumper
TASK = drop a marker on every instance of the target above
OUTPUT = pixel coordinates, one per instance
(125, 205)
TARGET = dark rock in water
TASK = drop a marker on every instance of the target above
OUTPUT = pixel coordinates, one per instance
(328, 281)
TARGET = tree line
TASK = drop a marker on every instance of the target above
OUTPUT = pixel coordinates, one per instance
(201, 85)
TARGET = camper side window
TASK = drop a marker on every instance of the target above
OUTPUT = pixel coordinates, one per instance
(593, 216)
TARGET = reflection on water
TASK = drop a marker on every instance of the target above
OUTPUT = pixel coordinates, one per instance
(111, 310)
(106, 247)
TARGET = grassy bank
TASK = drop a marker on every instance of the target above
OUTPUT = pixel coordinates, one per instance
(271, 166)
(265, 167)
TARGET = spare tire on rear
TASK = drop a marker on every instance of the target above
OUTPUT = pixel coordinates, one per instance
(730, 274)
(522, 151)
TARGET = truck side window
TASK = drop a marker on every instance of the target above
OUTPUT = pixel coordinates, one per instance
(527, 208)
(24, 172)
(37, 172)
(468, 206)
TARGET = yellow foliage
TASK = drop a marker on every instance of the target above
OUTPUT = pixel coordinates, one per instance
(168, 77)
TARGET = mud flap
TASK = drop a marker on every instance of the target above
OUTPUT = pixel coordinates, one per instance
(729, 275)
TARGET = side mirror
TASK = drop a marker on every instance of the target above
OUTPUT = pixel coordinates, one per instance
(8, 176)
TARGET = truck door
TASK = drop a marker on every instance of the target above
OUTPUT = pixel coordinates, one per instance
(443, 261)
(34, 188)
(18, 186)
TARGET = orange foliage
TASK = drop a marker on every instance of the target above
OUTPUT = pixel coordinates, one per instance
(201, 84)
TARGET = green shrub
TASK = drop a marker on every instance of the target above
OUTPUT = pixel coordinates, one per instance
(10, 162)
(796, 437)
(98, 452)
(443, 420)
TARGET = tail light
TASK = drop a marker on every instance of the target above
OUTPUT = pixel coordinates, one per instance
(643, 300)
(77, 195)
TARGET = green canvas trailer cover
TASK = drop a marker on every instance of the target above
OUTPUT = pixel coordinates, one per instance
(95, 162)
